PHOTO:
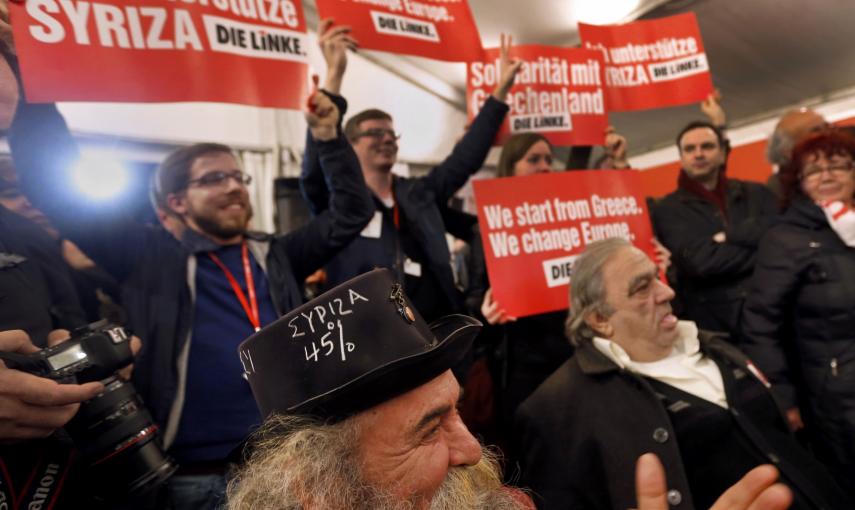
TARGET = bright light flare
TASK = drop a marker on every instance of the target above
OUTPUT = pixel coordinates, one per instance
(100, 176)
(602, 12)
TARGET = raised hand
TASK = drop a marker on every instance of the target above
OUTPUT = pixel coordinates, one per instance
(711, 107)
(508, 69)
(322, 115)
(334, 42)
(615, 148)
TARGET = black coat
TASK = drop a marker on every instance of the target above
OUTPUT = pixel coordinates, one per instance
(583, 429)
(712, 278)
(799, 325)
(37, 294)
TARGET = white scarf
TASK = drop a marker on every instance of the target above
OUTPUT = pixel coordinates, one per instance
(842, 220)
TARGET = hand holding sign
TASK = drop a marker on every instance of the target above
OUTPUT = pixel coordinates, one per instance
(615, 148)
(334, 42)
(492, 311)
(711, 107)
(661, 255)
(508, 69)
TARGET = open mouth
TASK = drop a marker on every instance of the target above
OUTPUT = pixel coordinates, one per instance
(237, 206)
(669, 321)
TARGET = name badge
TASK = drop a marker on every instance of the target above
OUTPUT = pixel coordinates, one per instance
(10, 260)
(412, 268)
(374, 227)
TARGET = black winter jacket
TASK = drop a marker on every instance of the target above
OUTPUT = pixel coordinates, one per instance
(712, 278)
(799, 324)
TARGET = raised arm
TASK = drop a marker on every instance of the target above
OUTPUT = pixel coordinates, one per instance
(334, 41)
(711, 107)
(469, 153)
(44, 153)
(350, 204)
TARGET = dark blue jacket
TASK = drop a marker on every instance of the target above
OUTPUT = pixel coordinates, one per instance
(156, 271)
(423, 200)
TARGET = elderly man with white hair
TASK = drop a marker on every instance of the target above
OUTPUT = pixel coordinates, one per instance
(643, 381)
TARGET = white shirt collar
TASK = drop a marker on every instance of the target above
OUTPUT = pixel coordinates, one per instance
(686, 344)
(685, 367)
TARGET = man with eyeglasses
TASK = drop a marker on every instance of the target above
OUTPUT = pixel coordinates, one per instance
(194, 296)
(407, 232)
(712, 226)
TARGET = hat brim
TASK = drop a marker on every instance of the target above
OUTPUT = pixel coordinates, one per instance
(454, 334)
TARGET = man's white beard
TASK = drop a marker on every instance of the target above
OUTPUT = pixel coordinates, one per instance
(316, 467)
(477, 487)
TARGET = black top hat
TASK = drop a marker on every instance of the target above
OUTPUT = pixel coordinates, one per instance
(360, 344)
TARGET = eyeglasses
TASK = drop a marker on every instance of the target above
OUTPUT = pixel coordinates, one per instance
(378, 134)
(220, 178)
(812, 172)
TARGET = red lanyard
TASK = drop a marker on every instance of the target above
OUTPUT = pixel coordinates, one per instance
(249, 306)
(396, 216)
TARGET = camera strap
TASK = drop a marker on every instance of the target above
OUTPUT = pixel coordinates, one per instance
(42, 485)
(250, 306)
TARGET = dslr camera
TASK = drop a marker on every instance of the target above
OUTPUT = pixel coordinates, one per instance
(114, 431)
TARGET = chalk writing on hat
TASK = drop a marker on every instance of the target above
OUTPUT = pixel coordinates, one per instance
(321, 330)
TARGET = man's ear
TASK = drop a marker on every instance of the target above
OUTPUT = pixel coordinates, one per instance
(599, 323)
(177, 203)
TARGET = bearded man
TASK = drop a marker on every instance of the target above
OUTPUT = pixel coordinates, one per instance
(361, 408)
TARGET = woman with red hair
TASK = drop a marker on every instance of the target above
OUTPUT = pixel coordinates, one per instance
(799, 319)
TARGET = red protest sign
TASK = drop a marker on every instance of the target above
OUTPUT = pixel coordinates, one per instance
(249, 52)
(533, 229)
(651, 63)
(438, 29)
(559, 92)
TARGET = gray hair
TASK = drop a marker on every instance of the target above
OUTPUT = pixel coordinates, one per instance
(291, 459)
(587, 290)
(301, 462)
(779, 147)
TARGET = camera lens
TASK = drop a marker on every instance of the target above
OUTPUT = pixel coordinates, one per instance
(115, 433)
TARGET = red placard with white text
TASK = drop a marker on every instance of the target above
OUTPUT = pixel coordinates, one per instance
(248, 52)
(651, 63)
(534, 227)
(438, 29)
(558, 92)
